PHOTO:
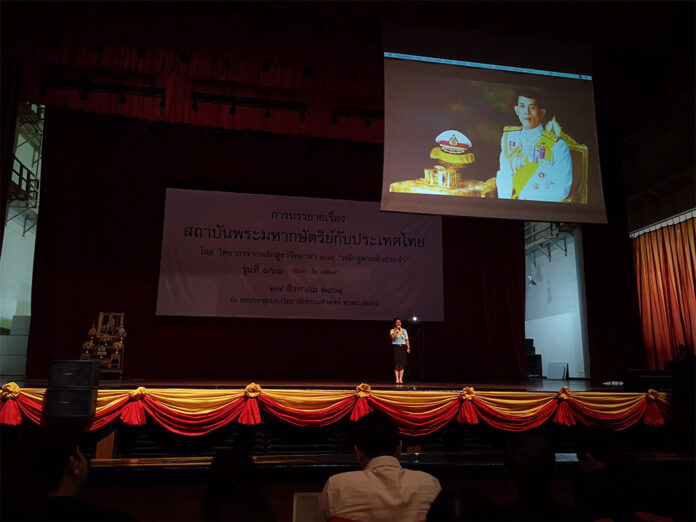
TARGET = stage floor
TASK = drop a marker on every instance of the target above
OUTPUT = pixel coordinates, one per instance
(529, 385)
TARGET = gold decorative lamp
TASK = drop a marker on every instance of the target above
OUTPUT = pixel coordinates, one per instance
(116, 358)
(88, 347)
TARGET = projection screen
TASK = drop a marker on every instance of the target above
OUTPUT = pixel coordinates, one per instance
(476, 139)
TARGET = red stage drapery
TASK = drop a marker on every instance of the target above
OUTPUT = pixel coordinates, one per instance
(118, 169)
(665, 265)
(198, 412)
(311, 59)
(184, 49)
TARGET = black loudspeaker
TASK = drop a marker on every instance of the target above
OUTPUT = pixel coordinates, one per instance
(534, 365)
(529, 345)
(72, 389)
(639, 380)
(74, 374)
(70, 402)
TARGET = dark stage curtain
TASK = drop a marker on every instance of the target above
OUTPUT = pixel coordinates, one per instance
(613, 323)
(484, 300)
(87, 56)
(98, 249)
(612, 315)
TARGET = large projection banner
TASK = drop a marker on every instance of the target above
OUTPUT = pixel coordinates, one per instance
(246, 255)
(484, 140)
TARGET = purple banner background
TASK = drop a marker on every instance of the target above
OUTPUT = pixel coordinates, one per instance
(245, 255)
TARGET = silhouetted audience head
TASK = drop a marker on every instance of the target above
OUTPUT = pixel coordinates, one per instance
(377, 434)
(232, 491)
(529, 463)
(462, 504)
(62, 467)
(685, 358)
(683, 352)
(50, 470)
(596, 448)
(600, 489)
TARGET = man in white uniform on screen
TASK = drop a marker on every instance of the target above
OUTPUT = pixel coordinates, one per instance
(535, 164)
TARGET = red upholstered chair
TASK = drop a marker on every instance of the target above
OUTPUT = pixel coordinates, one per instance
(644, 515)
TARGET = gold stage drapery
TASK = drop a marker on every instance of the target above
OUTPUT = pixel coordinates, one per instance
(201, 411)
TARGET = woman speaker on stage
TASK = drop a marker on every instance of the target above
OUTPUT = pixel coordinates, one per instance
(401, 348)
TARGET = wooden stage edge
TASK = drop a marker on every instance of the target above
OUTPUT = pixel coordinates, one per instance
(529, 385)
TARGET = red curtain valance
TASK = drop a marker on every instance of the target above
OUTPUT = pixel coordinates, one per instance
(198, 412)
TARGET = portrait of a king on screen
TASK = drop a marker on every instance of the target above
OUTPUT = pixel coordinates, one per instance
(456, 132)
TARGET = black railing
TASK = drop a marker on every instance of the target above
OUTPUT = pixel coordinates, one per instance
(24, 184)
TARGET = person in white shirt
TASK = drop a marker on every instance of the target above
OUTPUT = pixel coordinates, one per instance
(535, 164)
(383, 490)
